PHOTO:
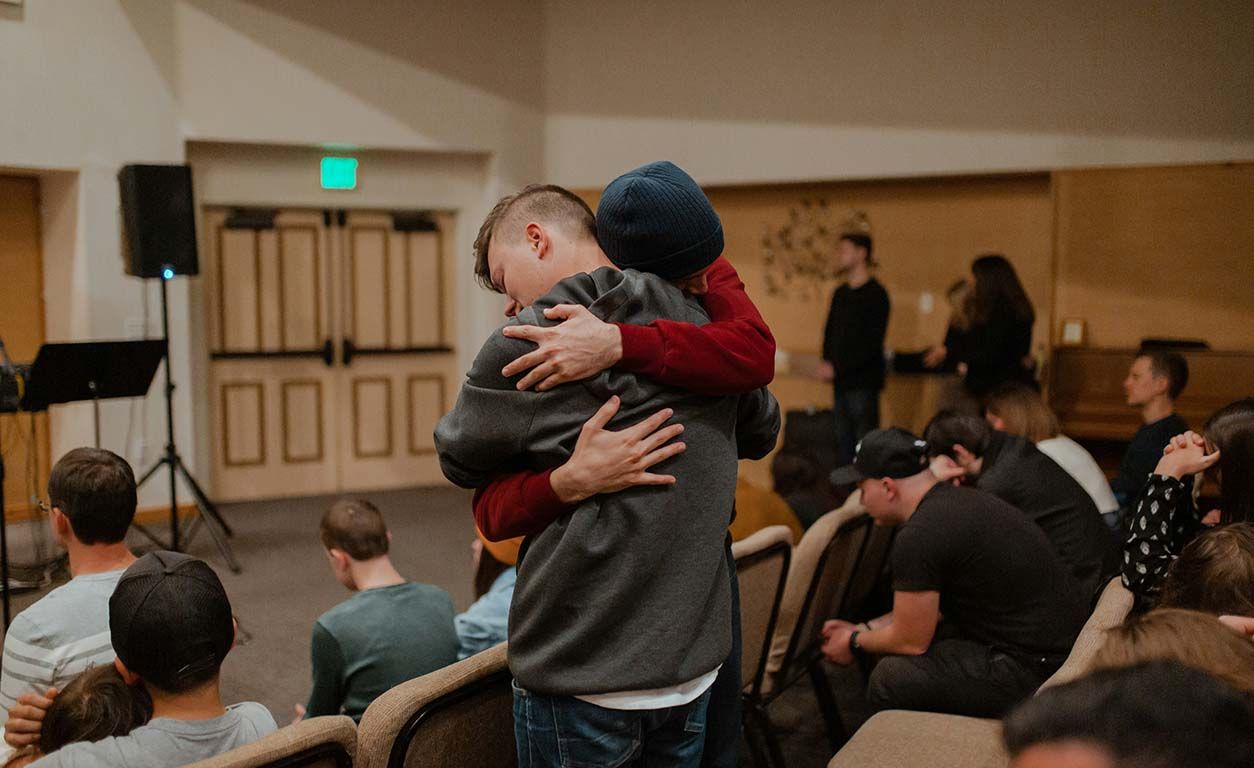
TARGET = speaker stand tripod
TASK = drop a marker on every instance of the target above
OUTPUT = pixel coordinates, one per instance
(207, 513)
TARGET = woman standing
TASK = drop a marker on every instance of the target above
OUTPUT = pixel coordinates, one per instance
(999, 339)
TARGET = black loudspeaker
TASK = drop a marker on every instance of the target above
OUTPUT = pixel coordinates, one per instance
(159, 220)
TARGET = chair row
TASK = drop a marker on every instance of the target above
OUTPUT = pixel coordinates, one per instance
(458, 716)
(899, 739)
(462, 715)
(786, 595)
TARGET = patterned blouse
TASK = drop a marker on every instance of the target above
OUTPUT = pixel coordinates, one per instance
(1165, 520)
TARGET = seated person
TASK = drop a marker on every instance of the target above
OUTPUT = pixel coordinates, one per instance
(1214, 573)
(92, 494)
(1155, 380)
(1012, 612)
(486, 622)
(1018, 409)
(758, 508)
(1011, 468)
(797, 478)
(1156, 715)
(96, 704)
(171, 625)
(390, 631)
(1167, 517)
(1193, 638)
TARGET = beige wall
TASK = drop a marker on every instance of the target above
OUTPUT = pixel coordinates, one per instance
(88, 86)
(812, 89)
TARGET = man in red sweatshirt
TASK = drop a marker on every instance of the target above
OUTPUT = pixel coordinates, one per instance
(732, 354)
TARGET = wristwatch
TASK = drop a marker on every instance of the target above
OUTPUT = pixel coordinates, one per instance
(853, 642)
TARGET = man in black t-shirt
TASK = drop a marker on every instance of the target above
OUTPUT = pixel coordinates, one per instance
(853, 344)
(1015, 471)
(1011, 611)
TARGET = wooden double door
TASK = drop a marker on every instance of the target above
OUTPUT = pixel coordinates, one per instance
(331, 358)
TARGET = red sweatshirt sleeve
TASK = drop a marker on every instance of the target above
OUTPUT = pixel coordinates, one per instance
(731, 355)
(518, 504)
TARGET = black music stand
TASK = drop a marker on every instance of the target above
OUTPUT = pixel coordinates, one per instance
(91, 371)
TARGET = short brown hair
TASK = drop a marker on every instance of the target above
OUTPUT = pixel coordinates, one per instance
(95, 490)
(547, 202)
(1165, 364)
(355, 526)
(93, 706)
(1193, 638)
(1214, 573)
(1023, 411)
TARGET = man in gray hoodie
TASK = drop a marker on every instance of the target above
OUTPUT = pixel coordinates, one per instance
(621, 614)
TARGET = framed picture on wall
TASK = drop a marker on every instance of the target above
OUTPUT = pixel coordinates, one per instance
(1073, 333)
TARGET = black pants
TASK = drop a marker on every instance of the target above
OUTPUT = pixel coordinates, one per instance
(722, 719)
(959, 677)
(857, 411)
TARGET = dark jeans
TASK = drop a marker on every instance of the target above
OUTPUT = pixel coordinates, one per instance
(722, 722)
(565, 732)
(959, 677)
(857, 412)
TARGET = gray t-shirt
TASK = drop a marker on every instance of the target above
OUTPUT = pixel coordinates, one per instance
(165, 742)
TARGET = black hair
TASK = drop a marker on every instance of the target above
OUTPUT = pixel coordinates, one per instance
(95, 489)
(1161, 714)
(863, 241)
(1169, 365)
(949, 428)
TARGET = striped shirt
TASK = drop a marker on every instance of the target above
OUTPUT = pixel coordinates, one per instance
(52, 641)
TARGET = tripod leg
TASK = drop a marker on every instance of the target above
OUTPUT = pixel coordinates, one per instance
(201, 498)
(209, 517)
(151, 471)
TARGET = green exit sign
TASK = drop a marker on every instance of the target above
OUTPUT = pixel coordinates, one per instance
(339, 173)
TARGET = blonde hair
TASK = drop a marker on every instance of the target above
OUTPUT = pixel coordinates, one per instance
(1023, 412)
(1193, 638)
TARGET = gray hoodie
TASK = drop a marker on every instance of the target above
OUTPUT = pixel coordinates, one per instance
(629, 591)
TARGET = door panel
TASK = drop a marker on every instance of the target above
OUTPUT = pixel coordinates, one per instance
(287, 421)
(272, 389)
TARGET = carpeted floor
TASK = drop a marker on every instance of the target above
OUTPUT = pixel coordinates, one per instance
(286, 584)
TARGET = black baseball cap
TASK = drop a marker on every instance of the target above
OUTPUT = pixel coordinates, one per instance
(891, 452)
(170, 621)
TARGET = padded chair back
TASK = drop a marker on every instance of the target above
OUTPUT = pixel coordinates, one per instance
(761, 568)
(866, 576)
(461, 715)
(319, 742)
(818, 580)
(1112, 608)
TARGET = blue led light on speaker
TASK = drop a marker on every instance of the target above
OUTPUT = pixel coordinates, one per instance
(167, 273)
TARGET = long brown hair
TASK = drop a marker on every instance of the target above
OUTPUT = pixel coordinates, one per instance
(1193, 638)
(1023, 412)
(997, 286)
(1231, 430)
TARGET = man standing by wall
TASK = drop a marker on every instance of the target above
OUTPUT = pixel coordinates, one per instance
(853, 342)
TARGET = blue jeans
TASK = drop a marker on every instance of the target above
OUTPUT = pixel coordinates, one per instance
(857, 412)
(566, 732)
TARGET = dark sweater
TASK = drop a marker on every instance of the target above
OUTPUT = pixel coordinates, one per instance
(629, 590)
(854, 339)
(1019, 474)
(1142, 456)
(994, 351)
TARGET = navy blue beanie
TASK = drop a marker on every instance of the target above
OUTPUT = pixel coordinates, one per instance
(656, 219)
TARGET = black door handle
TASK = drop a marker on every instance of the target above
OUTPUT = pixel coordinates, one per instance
(328, 353)
(349, 349)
